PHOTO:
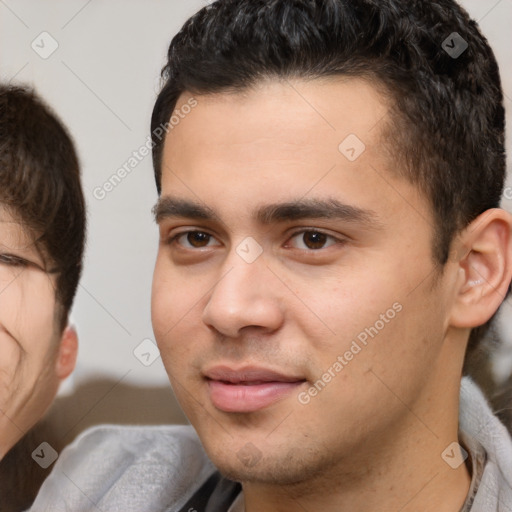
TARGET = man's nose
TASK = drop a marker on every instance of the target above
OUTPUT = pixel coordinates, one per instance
(247, 296)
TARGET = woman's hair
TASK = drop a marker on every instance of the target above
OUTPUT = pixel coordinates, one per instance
(40, 186)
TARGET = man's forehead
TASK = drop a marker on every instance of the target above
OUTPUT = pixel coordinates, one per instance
(335, 102)
(283, 141)
(316, 123)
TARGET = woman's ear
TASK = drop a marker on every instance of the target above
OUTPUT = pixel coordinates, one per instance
(68, 351)
(485, 268)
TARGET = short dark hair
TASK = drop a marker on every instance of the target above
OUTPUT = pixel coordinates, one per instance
(447, 122)
(40, 185)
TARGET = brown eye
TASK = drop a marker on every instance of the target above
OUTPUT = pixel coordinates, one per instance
(314, 239)
(195, 240)
(198, 239)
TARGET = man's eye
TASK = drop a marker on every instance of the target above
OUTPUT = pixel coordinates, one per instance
(312, 240)
(13, 261)
(195, 240)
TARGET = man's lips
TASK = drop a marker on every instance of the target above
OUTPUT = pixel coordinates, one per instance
(248, 389)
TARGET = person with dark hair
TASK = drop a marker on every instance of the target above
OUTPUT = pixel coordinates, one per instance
(331, 254)
(42, 232)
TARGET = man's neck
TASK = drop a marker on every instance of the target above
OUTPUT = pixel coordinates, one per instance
(407, 485)
(413, 468)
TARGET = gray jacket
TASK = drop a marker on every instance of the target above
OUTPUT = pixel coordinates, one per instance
(163, 469)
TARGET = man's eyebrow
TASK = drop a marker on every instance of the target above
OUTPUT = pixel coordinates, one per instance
(316, 209)
(168, 207)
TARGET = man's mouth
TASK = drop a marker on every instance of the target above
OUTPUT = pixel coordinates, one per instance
(248, 389)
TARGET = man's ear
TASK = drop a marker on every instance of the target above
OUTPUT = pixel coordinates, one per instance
(484, 262)
(68, 351)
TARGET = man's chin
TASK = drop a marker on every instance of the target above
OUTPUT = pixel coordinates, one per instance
(272, 473)
(245, 462)
(262, 474)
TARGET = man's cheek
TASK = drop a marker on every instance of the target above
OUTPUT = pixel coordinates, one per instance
(172, 304)
(175, 345)
(163, 311)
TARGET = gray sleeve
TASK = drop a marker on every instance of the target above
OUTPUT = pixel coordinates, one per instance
(139, 469)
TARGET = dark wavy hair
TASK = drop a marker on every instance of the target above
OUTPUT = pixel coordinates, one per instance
(40, 185)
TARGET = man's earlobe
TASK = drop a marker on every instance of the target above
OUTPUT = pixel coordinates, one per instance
(68, 351)
(485, 268)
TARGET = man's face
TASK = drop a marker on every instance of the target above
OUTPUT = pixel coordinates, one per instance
(295, 300)
(28, 333)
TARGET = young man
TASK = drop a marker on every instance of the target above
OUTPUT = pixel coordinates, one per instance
(331, 246)
(42, 230)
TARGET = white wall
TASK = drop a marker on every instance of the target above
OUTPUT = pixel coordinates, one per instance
(102, 80)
